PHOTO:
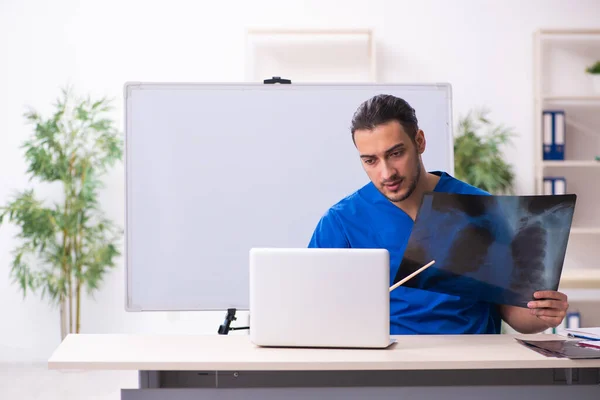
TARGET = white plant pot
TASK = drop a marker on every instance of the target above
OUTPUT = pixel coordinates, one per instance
(596, 82)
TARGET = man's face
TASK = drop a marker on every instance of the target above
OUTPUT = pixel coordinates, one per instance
(391, 159)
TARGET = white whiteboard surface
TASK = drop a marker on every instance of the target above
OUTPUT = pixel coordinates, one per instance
(213, 170)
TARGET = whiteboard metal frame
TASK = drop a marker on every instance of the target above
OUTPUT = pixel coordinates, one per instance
(129, 86)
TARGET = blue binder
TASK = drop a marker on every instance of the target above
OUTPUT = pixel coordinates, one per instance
(553, 134)
(555, 185)
(573, 320)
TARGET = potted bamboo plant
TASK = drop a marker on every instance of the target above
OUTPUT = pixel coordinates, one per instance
(478, 158)
(594, 71)
(66, 245)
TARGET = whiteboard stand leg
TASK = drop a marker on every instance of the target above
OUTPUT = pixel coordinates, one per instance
(225, 327)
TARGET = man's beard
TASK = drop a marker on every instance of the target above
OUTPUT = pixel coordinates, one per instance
(413, 185)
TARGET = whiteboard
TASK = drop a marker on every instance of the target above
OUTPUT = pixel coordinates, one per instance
(213, 170)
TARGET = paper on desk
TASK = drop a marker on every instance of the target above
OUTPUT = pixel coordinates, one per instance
(543, 351)
(594, 344)
(561, 348)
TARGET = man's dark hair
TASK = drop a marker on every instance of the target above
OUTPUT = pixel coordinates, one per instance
(382, 109)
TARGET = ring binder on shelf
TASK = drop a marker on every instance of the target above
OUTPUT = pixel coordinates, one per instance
(573, 320)
(553, 132)
(555, 185)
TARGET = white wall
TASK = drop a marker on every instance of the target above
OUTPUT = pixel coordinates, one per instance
(484, 48)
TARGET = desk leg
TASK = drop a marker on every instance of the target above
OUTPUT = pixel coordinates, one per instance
(149, 379)
(569, 376)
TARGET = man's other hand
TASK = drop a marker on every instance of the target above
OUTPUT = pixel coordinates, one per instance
(549, 306)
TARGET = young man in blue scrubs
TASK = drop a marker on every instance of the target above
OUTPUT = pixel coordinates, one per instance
(381, 215)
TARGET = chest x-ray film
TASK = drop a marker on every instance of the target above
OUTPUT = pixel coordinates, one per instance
(499, 249)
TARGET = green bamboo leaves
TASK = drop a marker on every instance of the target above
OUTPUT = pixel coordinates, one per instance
(68, 244)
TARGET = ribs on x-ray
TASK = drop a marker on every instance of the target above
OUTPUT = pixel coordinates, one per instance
(539, 244)
(499, 249)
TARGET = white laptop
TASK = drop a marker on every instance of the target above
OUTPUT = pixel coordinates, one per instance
(307, 297)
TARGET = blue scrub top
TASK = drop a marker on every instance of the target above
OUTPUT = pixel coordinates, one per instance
(367, 219)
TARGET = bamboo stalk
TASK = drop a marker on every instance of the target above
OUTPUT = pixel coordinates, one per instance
(78, 255)
(78, 277)
(78, 306)
(70, 291)
(63, 318)
(65, 277)
(69, 250)
(69, 283)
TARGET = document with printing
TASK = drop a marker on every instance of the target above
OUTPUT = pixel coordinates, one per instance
(499, 249)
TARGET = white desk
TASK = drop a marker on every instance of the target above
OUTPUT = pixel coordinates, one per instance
(436, 367)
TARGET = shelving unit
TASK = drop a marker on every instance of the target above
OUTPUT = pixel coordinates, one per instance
(571, 163)
(311, 55)
(590, 100)
(561, 83)
(585, 231)
(581, 278)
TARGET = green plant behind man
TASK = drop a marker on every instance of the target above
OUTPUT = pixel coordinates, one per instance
(478, 157)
